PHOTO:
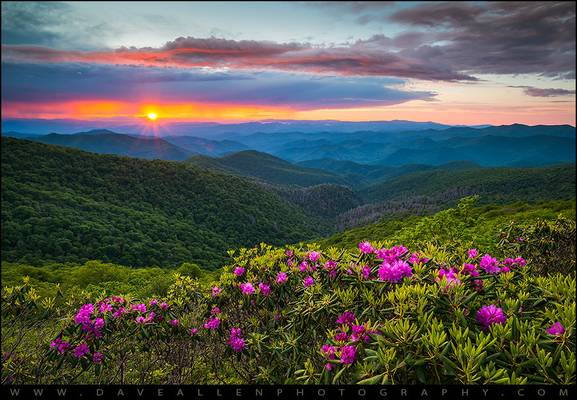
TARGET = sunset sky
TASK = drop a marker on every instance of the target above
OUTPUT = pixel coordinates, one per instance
(454, 63)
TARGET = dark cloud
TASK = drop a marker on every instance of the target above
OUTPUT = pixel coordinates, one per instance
(549, 92)
(34, 83)
(483, 37)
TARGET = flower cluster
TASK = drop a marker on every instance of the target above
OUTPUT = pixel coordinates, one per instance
(236, 342)
(490, 315)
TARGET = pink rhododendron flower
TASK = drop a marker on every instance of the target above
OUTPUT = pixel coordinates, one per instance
(173, 322)
(328, 351)
(153, 302)
(341, 337)
(348, 354)
(556, 329)
(314, 256)
(281, 277)
(358, 332)
(288, 253)
(264, 289)
(215, 291)
(303, 267)
(97, 357)
(328, 366)
(489, 264)
(60, 345)
(215, 310)
(366, 272)
(346, 318)
(212, 323)
(140, 320)
(472, 253)
(308, 281)
(163, 305)
(193, 331)
(239, 271)
(81, 350)
(139, 307)
(366, 247)
(450, 276)
(84, 314)
(489, 315)
(117, 299)
(469, 269)
(395, 271)
(520, 261)
(104, 308)
(247, 288)
(118, 313)
(236, 342)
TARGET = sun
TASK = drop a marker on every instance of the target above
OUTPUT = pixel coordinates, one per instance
(152, 116)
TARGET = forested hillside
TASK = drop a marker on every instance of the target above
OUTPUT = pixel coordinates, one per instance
(62, 204)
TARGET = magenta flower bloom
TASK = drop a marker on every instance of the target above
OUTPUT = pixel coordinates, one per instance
(84, 314)
(117, 299)
(236, 342)
(281, 277)
(163, 305)
(469, 269)
(520, 261)
(264, 289)
(81, 350)
(414, 258)
(97, 357)
(366, 273)
(239, 271)
(450, 276)
(472, 253)
(308, 281)
(346, 318)
(212, 323)
(489, 264)
(303, 267)
(139, 307)
(140, 320)
(118, 313)
(173, 322)
(556, 329)
(60, 345)
(215, 310)
(328, 366)
(104, 308)
(395, 271)
(358, 332)
(314, 256)
(348, 354)
(489, 315)
(366, 247)
(153, 302)
(288, 253)
(341, 337)
(247, 288)
(328, 351)
(215, 291)
(193, 331)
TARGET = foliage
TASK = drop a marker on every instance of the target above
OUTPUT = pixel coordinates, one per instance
(65, 205)
(377, 314)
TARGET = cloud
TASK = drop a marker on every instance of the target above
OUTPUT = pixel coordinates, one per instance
(35, 83)
(483, 37)
(362, 58)
(549, 92)
(50, 23)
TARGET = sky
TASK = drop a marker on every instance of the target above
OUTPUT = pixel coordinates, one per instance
(450, 62)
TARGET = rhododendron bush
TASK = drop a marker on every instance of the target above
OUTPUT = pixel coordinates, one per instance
(383, 313)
